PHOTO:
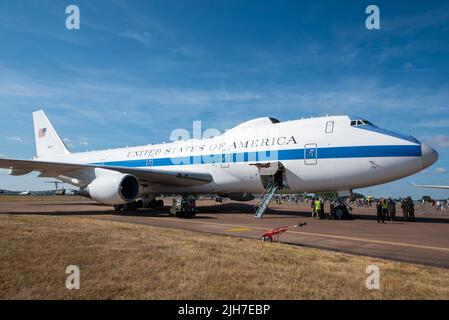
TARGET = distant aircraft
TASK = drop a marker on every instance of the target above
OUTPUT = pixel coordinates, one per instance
(58, 192)
(431, 186)
(335, 153)
(25, 193)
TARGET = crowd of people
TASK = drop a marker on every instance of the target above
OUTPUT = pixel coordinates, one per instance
(363, 202)
(441, 206)
(386, 209)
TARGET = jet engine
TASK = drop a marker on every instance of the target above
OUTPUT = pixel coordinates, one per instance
(113, 189)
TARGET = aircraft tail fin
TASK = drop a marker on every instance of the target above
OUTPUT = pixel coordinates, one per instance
(48, 142)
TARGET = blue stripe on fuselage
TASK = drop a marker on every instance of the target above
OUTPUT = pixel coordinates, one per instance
(286, 154)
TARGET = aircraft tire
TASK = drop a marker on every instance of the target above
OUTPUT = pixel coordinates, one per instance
(339, 212)
(180, 214)
(118, 208)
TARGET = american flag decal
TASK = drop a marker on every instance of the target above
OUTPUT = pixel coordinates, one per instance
(41, 133)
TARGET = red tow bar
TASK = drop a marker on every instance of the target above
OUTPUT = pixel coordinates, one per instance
(274, 233)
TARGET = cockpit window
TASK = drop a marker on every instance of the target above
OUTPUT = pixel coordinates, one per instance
(366, 125)
(360, 122)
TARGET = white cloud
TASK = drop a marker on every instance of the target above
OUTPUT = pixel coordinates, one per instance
(15, 139)
(441, 170)
(16, 84)
(68, 142)
(190, 51)
(143, 38)
(437, 123)
(440, 140)
(84, 142)
(408, 66)
(28, 26)
(411, 23)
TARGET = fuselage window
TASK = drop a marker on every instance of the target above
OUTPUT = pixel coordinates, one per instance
(329, 127)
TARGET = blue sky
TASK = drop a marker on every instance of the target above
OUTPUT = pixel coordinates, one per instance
(138, 69)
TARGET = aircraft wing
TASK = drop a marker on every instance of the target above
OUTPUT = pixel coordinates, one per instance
(431, 186)
(162, 177)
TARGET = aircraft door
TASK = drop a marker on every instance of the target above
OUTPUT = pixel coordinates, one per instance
(310, 154)
(226, 159)
(149, 162)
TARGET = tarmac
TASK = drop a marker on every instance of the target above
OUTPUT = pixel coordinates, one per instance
(425, 241)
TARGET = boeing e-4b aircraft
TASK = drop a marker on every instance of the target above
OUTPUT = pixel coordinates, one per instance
(334, 153)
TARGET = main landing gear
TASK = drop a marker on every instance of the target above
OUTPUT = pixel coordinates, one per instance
(184, 207)
(137, 204)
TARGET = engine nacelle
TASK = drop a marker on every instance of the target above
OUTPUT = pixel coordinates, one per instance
(113, 189)
(240, 196)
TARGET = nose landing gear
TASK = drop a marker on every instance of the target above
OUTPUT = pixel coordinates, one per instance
(340, 209)
(140, 203)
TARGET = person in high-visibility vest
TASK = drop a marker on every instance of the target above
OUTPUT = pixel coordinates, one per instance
(312, 206)
(318, 207)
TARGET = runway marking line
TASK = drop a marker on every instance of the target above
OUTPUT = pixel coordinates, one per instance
(313, 234)
(237, 229)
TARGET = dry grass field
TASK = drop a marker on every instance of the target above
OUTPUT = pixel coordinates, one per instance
(127, 261)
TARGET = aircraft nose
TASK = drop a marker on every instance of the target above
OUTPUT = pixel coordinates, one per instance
(429, 155)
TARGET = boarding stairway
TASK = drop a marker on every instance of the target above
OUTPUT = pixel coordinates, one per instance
(268, 195)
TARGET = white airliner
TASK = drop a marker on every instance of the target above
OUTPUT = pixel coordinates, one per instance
(334, 153)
